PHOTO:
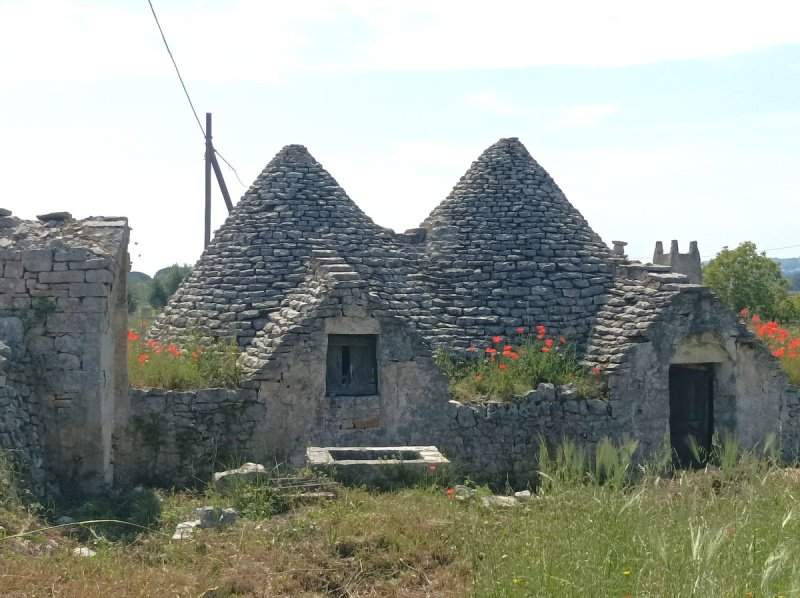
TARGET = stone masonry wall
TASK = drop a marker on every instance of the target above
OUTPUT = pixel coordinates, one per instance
(62, 311)
(180, 437)
(493, 442)
(176, 437)
(790, 425)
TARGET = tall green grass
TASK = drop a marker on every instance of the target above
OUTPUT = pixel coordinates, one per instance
(601, 527)
(196, 362)
(599, 524)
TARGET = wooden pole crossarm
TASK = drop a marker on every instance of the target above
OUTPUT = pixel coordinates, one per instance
(222, 186)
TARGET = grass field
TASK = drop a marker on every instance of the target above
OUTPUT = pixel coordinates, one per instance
(730, 531)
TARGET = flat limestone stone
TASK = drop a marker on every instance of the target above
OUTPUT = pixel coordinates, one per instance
(54, 216)
(502, 502)
(249, 472)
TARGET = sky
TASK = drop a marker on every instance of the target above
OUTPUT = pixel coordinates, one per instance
(659, 121)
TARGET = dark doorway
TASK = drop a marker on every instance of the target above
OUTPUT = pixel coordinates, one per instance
(691, 413)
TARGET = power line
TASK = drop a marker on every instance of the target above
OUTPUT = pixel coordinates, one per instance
(186, 92)
(236, 174)
(175, 64)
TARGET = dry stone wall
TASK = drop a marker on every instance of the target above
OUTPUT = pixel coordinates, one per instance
(63, 310)
(181, 437)
(790, 425)
(177, 437)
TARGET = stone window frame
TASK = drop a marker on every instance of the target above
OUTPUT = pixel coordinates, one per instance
(357, 356)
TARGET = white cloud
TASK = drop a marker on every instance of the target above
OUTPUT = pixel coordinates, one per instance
(588, 115)
(451, 34)
(67, 40)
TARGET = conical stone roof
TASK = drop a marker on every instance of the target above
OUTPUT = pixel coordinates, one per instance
(504, 250)
(507, 246)
(263, 249)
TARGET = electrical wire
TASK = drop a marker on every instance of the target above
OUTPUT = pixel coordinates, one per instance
(186, 92)
(177, 70)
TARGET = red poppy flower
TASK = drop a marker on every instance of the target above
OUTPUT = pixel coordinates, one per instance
(513, 356)
(143, 357)
(548, 342)
(545, 349)
(503, 366)
(756, 319)
(743, 312)
(520, 330)
(174, 350)
(490, 350)
(596, 371)
(507, 348)
(451, 492)
(497, 339)
(132, 336)
(479, 378)
(471, 348)
(541, 329)
(562, 340)
(779, 352)
(431, 467)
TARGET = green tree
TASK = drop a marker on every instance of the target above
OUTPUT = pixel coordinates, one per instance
(746, 279)
(165, 283)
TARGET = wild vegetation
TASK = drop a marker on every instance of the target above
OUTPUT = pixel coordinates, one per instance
(783, 341)
(509, 367)
(199, 362)
(154, 293)
(746, 279)
(595, 526)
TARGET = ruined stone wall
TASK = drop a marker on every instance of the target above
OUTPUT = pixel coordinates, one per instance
(20, 425)
(176, 437)
(62, 312)
(493, 442)
(790, 425)
(181, 437)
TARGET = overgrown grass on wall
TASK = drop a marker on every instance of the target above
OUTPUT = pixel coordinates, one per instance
(200, 362)
(513, 366)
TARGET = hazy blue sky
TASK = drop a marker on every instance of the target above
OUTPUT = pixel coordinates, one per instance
(676, 120)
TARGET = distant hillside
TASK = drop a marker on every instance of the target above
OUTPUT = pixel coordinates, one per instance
(153, 293)
(138, 277)
(789, 264)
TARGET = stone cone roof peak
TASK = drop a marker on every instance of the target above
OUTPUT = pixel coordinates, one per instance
(293, 154)
(506, 191)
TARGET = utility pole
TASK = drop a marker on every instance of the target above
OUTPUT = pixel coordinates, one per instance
(211, 162)
(209, 156)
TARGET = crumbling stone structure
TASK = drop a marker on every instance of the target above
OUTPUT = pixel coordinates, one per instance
(63, 321)
(338, 318)
(338, 321)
